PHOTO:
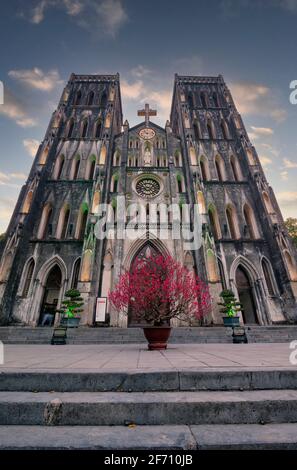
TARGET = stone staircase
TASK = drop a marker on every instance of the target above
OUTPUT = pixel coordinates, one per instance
(87, 335)
(187, 409)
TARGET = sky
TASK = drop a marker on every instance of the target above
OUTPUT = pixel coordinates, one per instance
(250, 42)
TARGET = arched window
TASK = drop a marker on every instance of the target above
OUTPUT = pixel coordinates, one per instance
(63, 222)
(214, 223)
(291, 266)
(191, 100)
(44, 155)
(70, 129)
(29, 275)
(177, 159)
(201, 202)
(179, 183)
(193, 157)
(27, 203)
(82, 222)
(90, 168)
(103, 99)
(197, 130)
(75, 168)
(84, 129)
(108, 121)
(204, 169)
(267, 276)
(250, 156)
(267, 202)
(77, 101)
(75, 274)
(59, 167)
(250, 221)
(44, 221)
(235, 168)
(212, 266)
(210, 129)
(232, 222)
(90, 100)
(222, 274)
(215, 100)
(204, 99)
(98, 126)
(103, 153)
(225, 130)
(220, 167)
(115, 183)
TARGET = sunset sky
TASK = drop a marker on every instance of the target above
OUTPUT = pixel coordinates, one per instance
(250, 42)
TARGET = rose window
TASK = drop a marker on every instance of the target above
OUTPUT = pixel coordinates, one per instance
(147, 187)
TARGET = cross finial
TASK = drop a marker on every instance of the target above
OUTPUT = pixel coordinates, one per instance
(147, 112)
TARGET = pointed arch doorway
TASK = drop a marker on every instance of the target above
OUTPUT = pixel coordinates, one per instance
(147, 251)
(246, 296)
(51, 295)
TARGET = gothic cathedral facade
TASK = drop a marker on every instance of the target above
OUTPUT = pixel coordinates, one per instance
(90, 157)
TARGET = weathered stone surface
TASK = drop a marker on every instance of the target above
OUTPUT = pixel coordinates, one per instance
(149, 408)
(95, 438)
(246, 436)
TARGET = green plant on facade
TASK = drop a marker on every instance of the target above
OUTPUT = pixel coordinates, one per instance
(71, 306)
(230, 305)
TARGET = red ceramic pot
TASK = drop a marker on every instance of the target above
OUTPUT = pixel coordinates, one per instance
(157, 336)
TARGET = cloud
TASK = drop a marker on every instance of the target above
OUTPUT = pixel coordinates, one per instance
(7, 179)
(89, 14)
(270, 149)
(18, 176)
(257, 99)
(287, 197)
(265, 161)
(31, 145)
(15, 110)
(6, 209)
(284, 175)
(112, 14)
(289, 164)
(140, 71)
(37, 79)
(157, 98)
(288, 202)
(132, 91)
(262, 130)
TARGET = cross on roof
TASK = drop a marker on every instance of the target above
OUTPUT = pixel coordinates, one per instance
(147, 112)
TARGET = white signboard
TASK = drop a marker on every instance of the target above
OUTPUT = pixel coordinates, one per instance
(101, 308)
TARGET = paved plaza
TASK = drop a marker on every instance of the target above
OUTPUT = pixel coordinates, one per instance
(128, 357)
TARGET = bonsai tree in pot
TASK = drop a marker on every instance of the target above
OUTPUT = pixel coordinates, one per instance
(158, 289)
(71, 308)
(230, 308)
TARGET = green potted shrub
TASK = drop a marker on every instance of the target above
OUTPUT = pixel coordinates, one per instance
(71, 308)
(230, 308)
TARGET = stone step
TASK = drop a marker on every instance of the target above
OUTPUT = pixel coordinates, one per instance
(86, 335)
(148, 408)
(207, 437)
(145, 381)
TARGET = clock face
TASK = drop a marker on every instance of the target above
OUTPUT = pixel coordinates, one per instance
(147, 133)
